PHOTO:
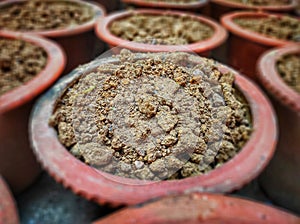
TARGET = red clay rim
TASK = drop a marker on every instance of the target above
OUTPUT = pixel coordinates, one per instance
(200, 208)
(230, 25)
(103, 33)
(99, 11)
(272, 81)
(8, 209)
(192, 5)
(236, 5)
(54, 67)
(99, 186)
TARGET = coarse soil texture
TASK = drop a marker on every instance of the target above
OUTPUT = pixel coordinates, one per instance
(285, 27)
(20, 61)
(161, 29)
(288, 67)
(153, 116)
(263, 2)
(44, 15)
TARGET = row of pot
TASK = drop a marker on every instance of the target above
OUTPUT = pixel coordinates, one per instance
(216, 8)
(102, 187)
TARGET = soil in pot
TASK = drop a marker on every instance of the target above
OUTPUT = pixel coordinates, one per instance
(288, 67)
(161, 29)
(153, 118)
(20, 61)
(220, 7)
(286, 28)
(69, 22)
(40, 15)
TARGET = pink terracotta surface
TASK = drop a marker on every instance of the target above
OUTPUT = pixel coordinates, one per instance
(200, 209)
(17, 162)
(202, 47)
(245, 46)
(281, 178)
(103, 187)
(8, 210)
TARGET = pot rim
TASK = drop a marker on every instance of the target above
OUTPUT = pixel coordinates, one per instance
(201, 207)
(230, 25)
(102, 31)
(55, 64)
(268, 75)
(102, 188)
(8, 211)
(287, 7)
(68, 31)
(191, 5)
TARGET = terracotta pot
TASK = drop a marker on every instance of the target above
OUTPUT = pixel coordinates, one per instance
(281, 179)
(245, 46)
(202, 209)
(17, 162)
(220, 7)
(202, 47)
(8, 210)
(104, 187)
(79, 42)
(197, 6)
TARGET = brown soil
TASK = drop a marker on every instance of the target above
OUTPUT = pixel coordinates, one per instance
(19, 62)
(289, 68)
(285, 28)
(156, 29)
(263, 2)
(155, 118)
(174, 1)
(43, 15)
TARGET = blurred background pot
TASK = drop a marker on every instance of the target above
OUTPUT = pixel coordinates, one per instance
(8, 210)
(199, 6)
(245, 46)
(281, 178)
(17, 162)
(79, 41)
(203, 47)
(202, 209)
(104, 187)
(220, 7)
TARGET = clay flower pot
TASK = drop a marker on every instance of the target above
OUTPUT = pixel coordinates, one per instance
(220, 7)
(17, 162)
(245, 46)
(201, 47)
(8, 210)
(79, 41)
(200, 208)
(185, 6)
(105, 187)
(281, 178)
